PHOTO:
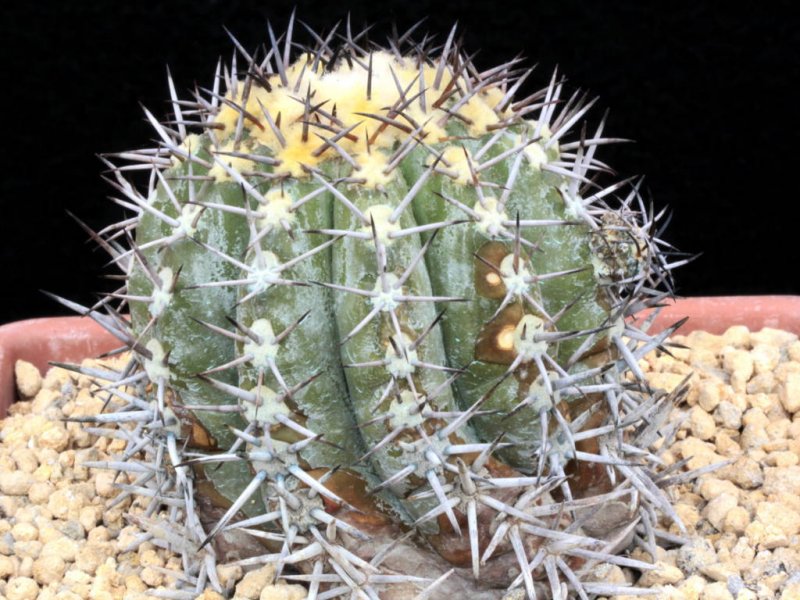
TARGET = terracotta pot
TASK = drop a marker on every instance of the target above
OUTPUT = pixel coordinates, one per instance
(70, 339)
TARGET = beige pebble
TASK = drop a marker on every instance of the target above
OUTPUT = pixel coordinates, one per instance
(29, 380)
(716, 591)
(692, 587)
(790, 592)
(718, 508)
(25, 532)
(134, 583)
(663, 574)
(789, 392)
(49, 569)
(765, 357)
(16, 483)
(40, 491)
(739, 364)
(91, 556)
(104, 483)
(63, 547)
(664, 381)
(229, 574)
(770, 336)
(728, 415)
(726, 446)
(720, 571)
(696, 554)
(763, 383)
(8, 567)
(745, 473)
(701, 424)
(709, 394)
(21, 588)
(32, 548)
(254, 581)
(736, 520)
(782, 459)
(283, 592)
(90, 516)
(26, 459)
(152, 577)
(711, 487)
(737, 335)
(210, 595)
(55, 437)
(66, 503)
(779, 515)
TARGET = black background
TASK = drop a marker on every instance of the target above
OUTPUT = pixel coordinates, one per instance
(706, 89)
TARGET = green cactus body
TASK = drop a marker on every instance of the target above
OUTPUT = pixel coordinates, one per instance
(377, 269)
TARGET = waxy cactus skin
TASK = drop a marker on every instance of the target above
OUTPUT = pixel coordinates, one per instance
(373, 296)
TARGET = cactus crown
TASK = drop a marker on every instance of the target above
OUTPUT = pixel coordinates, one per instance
(380, 321)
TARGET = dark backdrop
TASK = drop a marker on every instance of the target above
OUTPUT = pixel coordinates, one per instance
(708, 93)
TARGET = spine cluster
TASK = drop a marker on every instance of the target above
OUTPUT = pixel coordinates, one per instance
(382, 326)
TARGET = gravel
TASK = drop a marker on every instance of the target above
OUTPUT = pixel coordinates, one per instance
(62, 538)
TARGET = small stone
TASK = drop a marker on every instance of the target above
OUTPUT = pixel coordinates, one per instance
(24, 532)
(32, 548)
(692, 587)
(49, 569)
(711, 487)
(21, 588)
(716, 591)
(720, 571)
(91, 556)
(709, 394)
(228, 575)
(663, 574)
(283, 592)
(745, 473)
(736, 520)
(737, 335)
(725, 444)
(7, 567)
(782, 459)
(728, 415)
(29, 380)
(104, 483)
(739, 364)
(664, 381)
(763, 383)
(151, 577)
(15, 483)
(26, 459)
(779, 515)
(770, 336)
(696, 554)
(701, 424)
(209, 595)
(791, 592)
(718, 508)
(55, 437)
(789, 393)
(254, 581)
(40, 491)
(63, 547)
(765, 357)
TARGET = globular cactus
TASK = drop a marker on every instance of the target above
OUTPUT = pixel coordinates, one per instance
(381, 315)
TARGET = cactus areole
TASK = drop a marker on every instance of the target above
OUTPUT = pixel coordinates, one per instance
(380, 314)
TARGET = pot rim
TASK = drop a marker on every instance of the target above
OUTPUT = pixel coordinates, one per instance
(73, 338)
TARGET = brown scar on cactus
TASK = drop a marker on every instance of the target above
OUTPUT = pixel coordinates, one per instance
(378, 314)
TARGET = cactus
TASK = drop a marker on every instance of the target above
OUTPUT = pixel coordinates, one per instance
(382, 333)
